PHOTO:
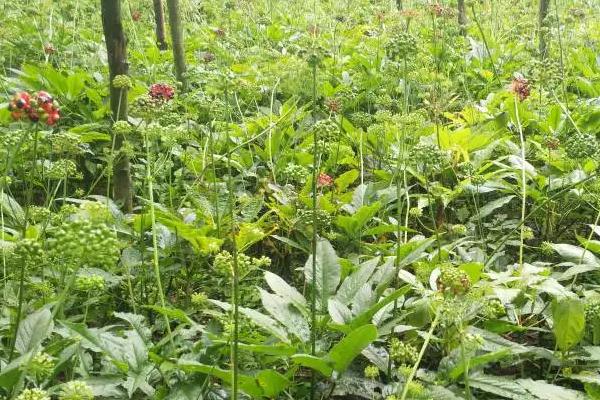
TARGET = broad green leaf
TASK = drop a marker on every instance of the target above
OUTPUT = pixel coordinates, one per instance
(575, 254)
(500, 386)
(347, 349)
(353, 224)
(272, 383)
(171, 313)
(473, 270)
(260, 319)
(546, 391)
(286, 313)
(346, 179)
(328, 272)
(320, 365)
(487, 358)
(366, 316)
(569, 322)
(283, 289)
(356, 280)
(33, 330)
(248, 384)
(492, 206)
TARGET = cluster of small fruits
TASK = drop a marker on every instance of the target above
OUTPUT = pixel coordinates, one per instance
(37, 107)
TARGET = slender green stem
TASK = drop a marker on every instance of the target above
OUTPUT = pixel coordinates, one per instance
(523, 184)
(159, 286)
(485, 43)
(313, 286)
(415, 367)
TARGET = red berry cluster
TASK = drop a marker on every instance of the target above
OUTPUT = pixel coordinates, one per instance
(324, 180)
(520, 86)
(37, 107)
(161, 92)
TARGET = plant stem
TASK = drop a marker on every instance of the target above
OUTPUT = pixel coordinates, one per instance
(415, 367)
(149, 182)
(523, 185)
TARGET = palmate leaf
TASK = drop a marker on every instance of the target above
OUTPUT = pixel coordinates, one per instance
(353, 224)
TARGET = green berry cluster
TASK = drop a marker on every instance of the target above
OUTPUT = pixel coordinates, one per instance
(33, 394)
(122, 128)
(423, 270)
(429, 157)
(402, 352)
(361, 119)
(493, 309)
(371, 372)
(223, 263)
(199, 299)
(581, 146)
(459, 230)
(592, 311)
(90, 283)
(67, 143)
(453, 280)
(401, 44)
(415, 212)
(82, 242)
(122, 82)
(38, 214)
(327, 130)
(41, 366)
(76, 390)
(546, 248)
(28, 252)
(62, 169)
(295, 173)
(323, 217)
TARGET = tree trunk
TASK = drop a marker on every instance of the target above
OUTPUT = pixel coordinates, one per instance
(159, 19)
(116, 48)
(177, 39)
(399, 4)
(462, 17)
(543, 26)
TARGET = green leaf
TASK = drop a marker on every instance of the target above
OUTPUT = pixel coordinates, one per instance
(545, 391)
(487, 358)
(500, 386)
(492, 206)
(283, 289)
(347, 349)
(366, 316)
(286, 313)
(33, 330)
(328, 272)
(318, 364)
(353, 224)
(569, 322)
(272, 383)
(171, 313)
(575, 254)
(355, 281)
(346, 179)
(473, 270)
(248, 384)
(260, 319)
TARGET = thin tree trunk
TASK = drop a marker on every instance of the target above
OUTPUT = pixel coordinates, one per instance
(116, 48)
(543, 26)
(399, 4)
(159, 19)
(177, 39)
(462, 17)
